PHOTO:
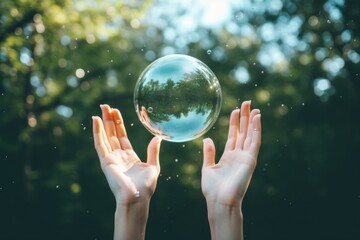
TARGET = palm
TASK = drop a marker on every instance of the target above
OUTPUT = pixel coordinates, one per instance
(226, 182)
(231, 176)
(128, 177)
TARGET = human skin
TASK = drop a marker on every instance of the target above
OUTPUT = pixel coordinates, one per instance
(225, 183)
(132, 181)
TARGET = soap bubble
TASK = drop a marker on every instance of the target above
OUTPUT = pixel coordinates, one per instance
(178, 98)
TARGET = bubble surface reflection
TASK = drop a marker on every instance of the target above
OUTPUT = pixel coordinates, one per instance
(178, 98)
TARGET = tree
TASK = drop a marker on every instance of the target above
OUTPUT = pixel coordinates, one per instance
(297, 61)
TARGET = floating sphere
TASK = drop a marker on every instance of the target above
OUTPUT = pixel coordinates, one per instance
(178, 98)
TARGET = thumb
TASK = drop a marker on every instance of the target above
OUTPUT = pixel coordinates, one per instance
(153, 152)
(209, 152)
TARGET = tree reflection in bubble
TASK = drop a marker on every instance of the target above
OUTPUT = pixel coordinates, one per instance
(178, 98)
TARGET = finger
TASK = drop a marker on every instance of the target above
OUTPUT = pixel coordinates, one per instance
(120, 129)
(103, 133)
(109, 126)
(145, 115)
(249, 134)
(100, 146)
(244, 121)
(153, 151)
(256, 136)
(209, 153)
(233, 130)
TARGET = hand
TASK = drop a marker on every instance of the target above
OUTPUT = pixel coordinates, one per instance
(227, 181)
(128, 177)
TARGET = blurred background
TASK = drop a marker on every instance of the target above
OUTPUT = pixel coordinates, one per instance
(298, 61)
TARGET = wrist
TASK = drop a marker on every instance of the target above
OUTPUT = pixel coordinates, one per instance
(216, 210)
(133, 208)
(226, 221)
(131, 219)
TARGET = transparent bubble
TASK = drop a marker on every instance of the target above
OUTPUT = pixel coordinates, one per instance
(178, 98)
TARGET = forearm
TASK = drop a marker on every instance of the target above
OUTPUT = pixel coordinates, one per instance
(226, 222)
(130, 221)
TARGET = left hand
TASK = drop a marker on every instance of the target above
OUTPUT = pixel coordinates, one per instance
(129, 178)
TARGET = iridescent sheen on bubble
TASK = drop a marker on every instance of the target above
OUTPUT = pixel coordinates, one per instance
(178, 98)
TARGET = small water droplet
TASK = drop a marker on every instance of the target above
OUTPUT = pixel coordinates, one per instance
(176, 160)
(137, 194)
(282, 105)
(262, 72)
(303, 104)
(111, 60)
(84, 128)
(183, 145)
(208, 52)
(129, 74)
(177, 175)
(328, 21)
(57, 186)
(132, 124)
(54, 147)
(255, 85)
(150, 109)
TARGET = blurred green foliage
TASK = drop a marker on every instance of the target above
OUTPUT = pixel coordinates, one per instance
(60, 59)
